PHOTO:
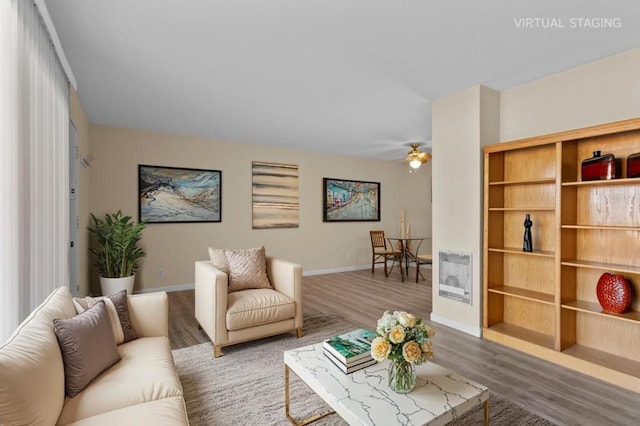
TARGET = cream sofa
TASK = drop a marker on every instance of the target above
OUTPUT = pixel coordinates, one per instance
(240, 316)
(141, 389)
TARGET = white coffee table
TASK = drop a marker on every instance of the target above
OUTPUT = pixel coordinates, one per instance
(364, 397)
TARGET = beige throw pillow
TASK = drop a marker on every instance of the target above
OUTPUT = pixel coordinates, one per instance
(219, 259)
(88, 347)
(247, 269)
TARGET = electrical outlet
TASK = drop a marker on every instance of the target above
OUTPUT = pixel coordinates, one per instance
(160, 272)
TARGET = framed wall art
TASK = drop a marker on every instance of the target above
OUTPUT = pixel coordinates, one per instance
(179, 195)
(351, 201)
(275, 195)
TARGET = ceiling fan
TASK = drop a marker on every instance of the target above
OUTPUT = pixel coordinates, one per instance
(416, 157)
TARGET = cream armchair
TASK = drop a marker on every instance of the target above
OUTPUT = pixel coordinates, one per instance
(240, 316)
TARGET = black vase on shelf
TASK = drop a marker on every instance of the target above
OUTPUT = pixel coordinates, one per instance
(527, 245)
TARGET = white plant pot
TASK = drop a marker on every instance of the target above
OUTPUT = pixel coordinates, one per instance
(114, 285)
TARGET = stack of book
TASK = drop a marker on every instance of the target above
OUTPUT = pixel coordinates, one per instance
(351, 351)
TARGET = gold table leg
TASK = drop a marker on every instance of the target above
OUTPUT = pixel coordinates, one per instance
(486, 413)
(286, 405)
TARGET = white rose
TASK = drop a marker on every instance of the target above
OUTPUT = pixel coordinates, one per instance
(407, 320)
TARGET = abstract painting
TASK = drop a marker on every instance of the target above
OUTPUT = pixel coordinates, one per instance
(351, 200)
(172, 194)
(275, 195)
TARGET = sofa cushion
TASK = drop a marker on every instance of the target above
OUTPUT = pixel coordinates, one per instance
(88, 346)
(149, 314)
(31, 368)
(257, 306)
(247, 269)
(118, 307)
(145, 373)
(166, 412)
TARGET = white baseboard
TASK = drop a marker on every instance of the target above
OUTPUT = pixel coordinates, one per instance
(180, 287)
(334, 270)
(465, 328)
(351, 268)
(168, 289)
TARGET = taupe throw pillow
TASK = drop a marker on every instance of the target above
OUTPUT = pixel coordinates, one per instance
(121, 303)
(88, 347)
(247, 269)
(118, 308)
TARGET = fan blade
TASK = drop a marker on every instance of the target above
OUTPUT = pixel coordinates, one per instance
(424, 157)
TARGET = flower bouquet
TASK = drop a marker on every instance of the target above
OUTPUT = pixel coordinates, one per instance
(403, 339)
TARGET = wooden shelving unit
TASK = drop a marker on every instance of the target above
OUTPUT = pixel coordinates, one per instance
(544, 302)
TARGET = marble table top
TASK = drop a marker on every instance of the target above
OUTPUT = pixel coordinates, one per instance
(364, 397)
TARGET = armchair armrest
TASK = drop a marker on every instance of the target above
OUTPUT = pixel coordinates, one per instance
(286, 278)
(149, 314)
(211, 301)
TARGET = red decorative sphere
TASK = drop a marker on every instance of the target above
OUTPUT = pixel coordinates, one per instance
(614, 293)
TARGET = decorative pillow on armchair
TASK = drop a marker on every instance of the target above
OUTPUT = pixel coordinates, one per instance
(219, 259)
(247, 269)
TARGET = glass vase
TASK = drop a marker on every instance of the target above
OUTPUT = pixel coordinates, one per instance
(402, 376)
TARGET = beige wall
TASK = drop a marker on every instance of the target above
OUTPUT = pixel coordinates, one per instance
(79, 120)
(316, 245)
(599, 92)
(462, 124)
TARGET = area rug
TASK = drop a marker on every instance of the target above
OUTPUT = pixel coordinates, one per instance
(245, 386)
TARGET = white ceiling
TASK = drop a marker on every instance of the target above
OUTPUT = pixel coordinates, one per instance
(353, 77)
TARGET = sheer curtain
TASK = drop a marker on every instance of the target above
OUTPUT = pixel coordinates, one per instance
(34, 165)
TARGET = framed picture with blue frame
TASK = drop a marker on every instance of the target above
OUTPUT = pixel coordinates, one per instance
(351, 200)
(179, 195)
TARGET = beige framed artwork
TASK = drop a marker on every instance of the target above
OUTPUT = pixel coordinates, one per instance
(275, 195)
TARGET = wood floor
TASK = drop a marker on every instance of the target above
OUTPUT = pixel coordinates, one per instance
(558, 394)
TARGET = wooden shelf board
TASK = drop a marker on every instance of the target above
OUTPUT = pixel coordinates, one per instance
(535, 296)
(612, 369)
(604, 182)
(596, 309)
(602, 227)
(513, 250)
(614, 362)
(524, 182)
(598, 265)
(567, 135)
(522, 209)
(530, 336)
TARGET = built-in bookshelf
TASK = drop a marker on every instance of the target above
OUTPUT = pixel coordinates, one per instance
(544, 302)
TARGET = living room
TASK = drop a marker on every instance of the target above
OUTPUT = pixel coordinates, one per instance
(443, 199)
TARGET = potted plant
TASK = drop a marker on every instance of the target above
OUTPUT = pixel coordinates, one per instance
(117, 253)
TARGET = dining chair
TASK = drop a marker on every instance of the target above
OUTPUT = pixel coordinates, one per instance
(380, 253)
(422, 259)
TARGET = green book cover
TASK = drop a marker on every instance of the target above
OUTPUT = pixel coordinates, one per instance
(351, 346)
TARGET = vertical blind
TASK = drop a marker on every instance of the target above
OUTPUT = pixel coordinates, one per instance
(34, 165)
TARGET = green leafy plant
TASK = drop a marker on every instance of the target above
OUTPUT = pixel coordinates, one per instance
(117, 253)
